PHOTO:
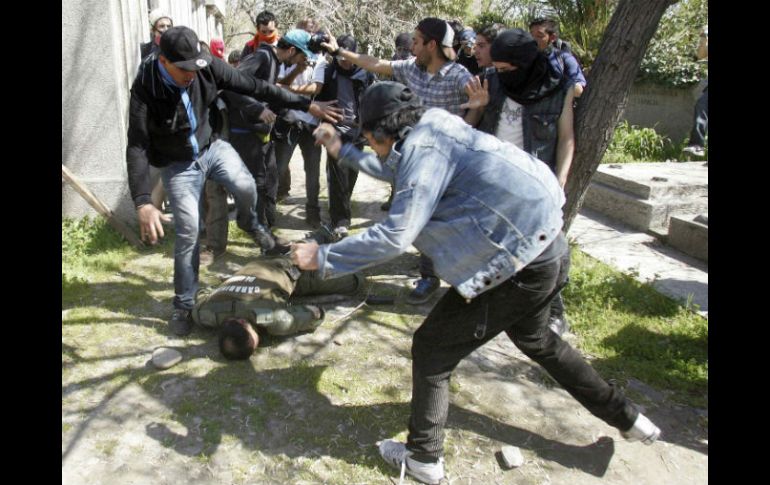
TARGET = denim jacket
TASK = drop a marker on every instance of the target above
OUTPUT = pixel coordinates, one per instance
(480, 208)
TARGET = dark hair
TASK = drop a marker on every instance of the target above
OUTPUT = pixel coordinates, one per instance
(551, 26)
(235, 56)
(490, 31)
(265, 17)
(392, 125)
(235, 342)
(284, 44)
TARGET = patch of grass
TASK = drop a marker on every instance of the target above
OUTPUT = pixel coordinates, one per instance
(634, 331)
(632, 144)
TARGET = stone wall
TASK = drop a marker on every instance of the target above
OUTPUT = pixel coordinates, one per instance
(668, 110)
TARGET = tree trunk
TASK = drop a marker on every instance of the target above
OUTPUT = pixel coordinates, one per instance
(609, 81)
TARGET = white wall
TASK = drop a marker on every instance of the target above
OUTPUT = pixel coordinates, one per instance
(100, 55)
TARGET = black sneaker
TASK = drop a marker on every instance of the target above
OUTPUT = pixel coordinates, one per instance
(282, 246)
(181, 322)
(341, 228)
(425, 288)
(313, 219)
(263, 238)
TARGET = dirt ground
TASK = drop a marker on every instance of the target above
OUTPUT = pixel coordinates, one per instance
(309, 409)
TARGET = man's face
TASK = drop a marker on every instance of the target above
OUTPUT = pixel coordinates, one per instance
(290, 56)
(482, 51)
(345, 64)
(381, 149)
(542, 37)
(420, 49)
(162, 25)
(182, 78)
(266, 30)
(504, 66)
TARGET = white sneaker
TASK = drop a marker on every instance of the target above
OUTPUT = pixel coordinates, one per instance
(643, 430)
(695, 150)
(395, 453)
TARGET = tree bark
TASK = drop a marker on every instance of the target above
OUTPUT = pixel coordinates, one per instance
(609, 81)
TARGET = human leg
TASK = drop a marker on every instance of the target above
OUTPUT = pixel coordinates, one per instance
(311, 156)
(224, 166)
(184, 183)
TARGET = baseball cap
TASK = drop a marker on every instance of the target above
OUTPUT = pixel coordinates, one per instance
(180, 45)
(467, 34)
(439, 30)
(299, 38)
(384, 98)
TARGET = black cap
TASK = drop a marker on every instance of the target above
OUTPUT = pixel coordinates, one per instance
(384, 98)
(347, 42)
(404, 40)
(180, 45)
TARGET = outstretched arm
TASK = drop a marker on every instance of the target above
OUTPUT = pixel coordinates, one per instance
(369, 63)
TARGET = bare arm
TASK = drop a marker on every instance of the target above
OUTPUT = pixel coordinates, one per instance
(311, 89)
(369, 63)
(565, 147)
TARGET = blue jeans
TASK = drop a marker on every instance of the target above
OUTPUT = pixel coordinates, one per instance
(184, 183)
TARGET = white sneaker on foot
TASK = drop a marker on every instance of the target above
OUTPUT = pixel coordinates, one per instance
(643, 430)
(395, 453)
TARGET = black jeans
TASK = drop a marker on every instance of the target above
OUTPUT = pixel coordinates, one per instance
(301, 135)
(700, 120)
(341, 182)
(259, 158)
(519, 307)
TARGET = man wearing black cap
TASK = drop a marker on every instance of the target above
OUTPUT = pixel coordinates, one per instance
(169, 128)
(530, 106)
(489, 215)
(439, 81)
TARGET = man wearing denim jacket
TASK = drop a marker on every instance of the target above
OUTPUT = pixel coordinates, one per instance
(489, 215)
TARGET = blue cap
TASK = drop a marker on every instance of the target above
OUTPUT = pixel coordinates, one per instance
(467, 34)
(299, 39)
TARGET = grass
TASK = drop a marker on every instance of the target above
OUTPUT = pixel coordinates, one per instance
(632, 144)
(287, 416)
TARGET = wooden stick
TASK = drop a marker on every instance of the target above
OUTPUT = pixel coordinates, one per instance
(99, 206)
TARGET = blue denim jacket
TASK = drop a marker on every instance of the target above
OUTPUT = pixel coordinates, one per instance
(480, 208)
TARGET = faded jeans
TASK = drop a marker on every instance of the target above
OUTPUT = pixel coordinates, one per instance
(184, 182)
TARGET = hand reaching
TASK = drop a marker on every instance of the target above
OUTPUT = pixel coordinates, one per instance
(326, 110)
(267, 116)
(478, 95)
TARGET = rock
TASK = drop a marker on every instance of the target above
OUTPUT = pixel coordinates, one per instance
(512, 457)
(164, 357)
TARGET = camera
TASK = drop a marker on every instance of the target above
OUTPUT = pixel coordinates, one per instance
(314, 44)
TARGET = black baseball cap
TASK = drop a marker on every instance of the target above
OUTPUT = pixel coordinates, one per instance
(180, 45)
(384, 98)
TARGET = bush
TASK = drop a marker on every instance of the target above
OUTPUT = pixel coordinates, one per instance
(670, 58)
(631, 143)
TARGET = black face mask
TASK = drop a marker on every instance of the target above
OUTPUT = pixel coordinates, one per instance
(513, 80)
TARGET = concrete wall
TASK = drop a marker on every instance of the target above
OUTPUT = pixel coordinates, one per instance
(668, 110)
(100, 55)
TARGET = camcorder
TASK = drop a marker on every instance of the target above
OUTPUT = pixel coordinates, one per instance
(314, 44)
